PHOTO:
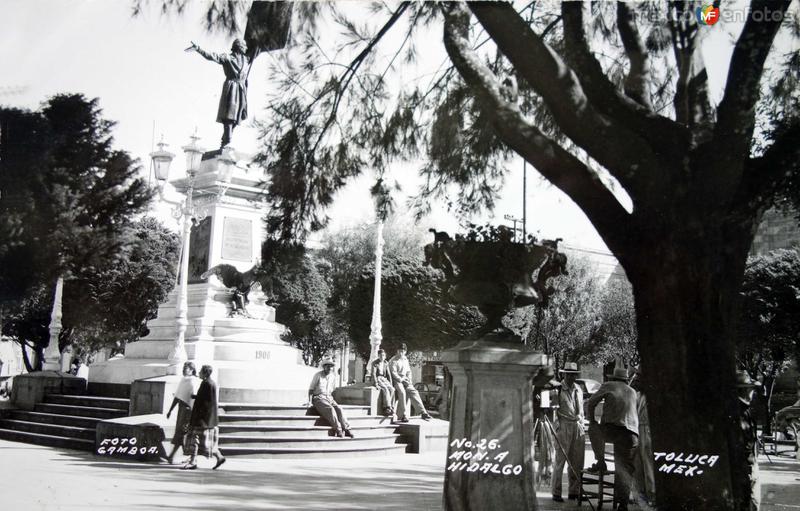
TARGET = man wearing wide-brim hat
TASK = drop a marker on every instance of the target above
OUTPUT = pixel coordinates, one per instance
(569, 433)
(320, 394)
(620, 426)
(745, 387)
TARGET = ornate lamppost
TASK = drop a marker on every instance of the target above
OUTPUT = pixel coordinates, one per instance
(184, 211)
(52, 355)
(375, 335)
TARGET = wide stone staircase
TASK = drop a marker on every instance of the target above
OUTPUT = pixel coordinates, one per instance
(273, 431)
(61, 420)
(245, 429)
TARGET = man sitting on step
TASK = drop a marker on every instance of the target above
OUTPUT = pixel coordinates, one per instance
(320, 394)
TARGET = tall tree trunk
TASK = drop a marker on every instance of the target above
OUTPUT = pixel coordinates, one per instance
(686, 300)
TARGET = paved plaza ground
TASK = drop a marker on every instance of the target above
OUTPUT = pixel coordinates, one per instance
(43, 478)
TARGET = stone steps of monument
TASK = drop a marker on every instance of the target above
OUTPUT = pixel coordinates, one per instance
(360, 441)
(342, 450)
(280, 410)
(54, 418)
(48, 440)
(48, 429)
(90, 401)
(61, 420)
(81, 411)
(296, 420)
(295, 431)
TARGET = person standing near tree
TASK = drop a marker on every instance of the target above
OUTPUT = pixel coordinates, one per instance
(204, 422)
(401, 376)
(233, 99)
(746, 388)
(644, 462)
(620, 426)
(570, 434)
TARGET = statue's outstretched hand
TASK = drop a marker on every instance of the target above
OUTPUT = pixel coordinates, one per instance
(193, 47)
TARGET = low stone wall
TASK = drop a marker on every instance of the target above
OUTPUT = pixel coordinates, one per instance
(141, 438)
(426, 436)
(358, 394)
(30, 389)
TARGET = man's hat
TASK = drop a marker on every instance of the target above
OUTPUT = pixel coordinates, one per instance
(327, 361)
(620, 374)
(743, 380)
(569, 367)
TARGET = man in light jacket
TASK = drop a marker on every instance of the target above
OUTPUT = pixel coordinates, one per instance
(620, 426)
(400, 370)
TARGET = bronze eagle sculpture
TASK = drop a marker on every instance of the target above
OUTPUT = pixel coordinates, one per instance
(240, 283)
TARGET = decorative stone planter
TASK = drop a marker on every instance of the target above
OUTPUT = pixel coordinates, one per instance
(490, 456)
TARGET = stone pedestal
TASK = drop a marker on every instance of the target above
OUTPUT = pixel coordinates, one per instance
(141, 438)
(153, 395)
(250, 361)
(490, 451)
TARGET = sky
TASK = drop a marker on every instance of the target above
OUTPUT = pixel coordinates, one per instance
(151, 87)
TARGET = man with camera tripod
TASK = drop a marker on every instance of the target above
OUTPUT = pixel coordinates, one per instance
(570, 433)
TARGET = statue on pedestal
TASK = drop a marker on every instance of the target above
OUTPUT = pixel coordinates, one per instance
(233, 99)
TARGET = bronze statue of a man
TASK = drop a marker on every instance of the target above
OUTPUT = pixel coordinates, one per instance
(233, 100)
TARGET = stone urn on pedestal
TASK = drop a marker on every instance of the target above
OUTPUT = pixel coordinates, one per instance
(490, 463)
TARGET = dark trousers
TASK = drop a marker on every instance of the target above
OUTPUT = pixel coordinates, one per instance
(227, 133)
(625, 443)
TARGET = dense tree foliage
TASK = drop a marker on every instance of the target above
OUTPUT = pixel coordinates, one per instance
(587, 320)
(67, 198)
(616, 333)
(106, 306)
(67, 202)
(769, 332)
(416, 309)
(300, 295)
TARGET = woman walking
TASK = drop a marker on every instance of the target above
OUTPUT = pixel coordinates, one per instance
(204, 423)
(184, 400)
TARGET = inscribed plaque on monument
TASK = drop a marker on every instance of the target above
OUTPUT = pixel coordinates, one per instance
(237, 239)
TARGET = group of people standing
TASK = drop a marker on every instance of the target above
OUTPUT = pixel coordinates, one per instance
(624, 424)
(197, 423)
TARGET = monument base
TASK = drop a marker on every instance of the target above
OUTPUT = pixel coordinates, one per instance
(490, 450)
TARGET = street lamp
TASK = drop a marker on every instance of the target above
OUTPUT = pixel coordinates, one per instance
(185, 211)
(375, 335)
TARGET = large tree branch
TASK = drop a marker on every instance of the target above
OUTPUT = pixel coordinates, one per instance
(667, 137)
(638, 78)
(691, 103)
(621, 151)
(736, 112)
(557, 165)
